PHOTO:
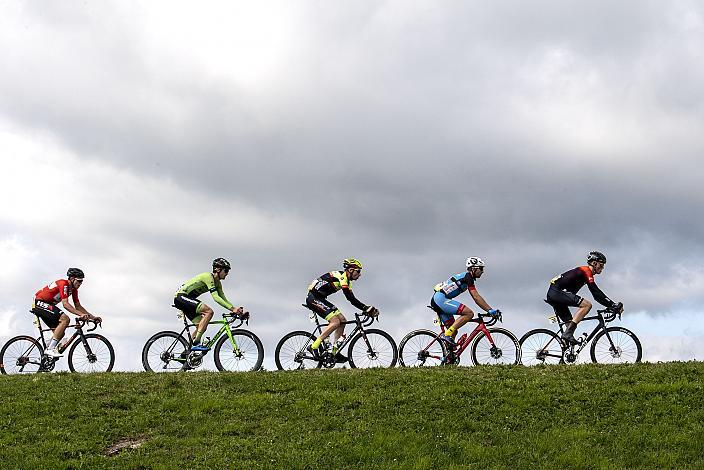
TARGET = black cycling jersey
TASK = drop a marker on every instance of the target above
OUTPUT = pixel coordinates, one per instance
(331, 282)
(574, 279)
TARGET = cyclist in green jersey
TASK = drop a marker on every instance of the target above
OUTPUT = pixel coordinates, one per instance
(198, 312)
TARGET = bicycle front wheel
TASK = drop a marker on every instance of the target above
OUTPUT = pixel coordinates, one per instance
(93, 353)
(499, 347)
(541, 346)
(292, 352)
(166, 351)
(21, 355)
(616, 345)
(372, 348)
(421, 348)
(245, 352)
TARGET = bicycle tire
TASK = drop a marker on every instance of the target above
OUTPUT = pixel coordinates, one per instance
(421, 348)
(161, 352)
(628, 347)
(291, 354)
(15, 355)
(100, 359)
(372, 354)
(505, 349)
(249, 357)
(541, 346)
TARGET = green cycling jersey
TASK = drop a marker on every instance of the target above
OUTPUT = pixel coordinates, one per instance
(202, 283)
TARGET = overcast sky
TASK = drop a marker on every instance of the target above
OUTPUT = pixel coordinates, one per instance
(140, 140)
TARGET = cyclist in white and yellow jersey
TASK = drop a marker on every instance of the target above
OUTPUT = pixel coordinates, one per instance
(327, 284)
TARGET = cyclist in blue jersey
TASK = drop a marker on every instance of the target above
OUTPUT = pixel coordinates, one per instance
(446, 307)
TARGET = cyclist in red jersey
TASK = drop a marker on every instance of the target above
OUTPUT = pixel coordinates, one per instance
(562, 293)
(45, 306)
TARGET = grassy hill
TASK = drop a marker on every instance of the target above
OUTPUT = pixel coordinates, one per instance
(645, 415)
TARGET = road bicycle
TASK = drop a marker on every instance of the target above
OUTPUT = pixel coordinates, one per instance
(366, 347)
(234, 349)
(611, 345)
(90, 353)
(422, 348)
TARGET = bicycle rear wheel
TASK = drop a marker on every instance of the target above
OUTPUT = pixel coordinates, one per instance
(616, 345)
(292, 354)
(247, 355)
(92, 354)
(166, 351)
(373, 348)
(503, 348)
(421, 348)
(541, 346)
(21, 355)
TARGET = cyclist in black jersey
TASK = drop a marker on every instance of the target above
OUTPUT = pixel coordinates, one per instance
(563, 289)
(327, 284)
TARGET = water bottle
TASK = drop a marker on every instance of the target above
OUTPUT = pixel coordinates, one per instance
(338, 343)
(461, 340)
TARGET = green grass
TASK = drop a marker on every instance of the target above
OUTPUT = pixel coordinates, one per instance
(645, 415)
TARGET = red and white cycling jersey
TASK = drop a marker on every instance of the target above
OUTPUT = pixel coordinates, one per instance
(56, 292)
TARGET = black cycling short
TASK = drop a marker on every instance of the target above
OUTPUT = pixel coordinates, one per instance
(561, 301)
(188, 305)
(320, 305)
(49, 313)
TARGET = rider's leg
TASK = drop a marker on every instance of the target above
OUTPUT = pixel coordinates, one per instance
(584, 307)
(206, 314)
(59, 331)
(465, 315)
(335, 319)
(340, 330)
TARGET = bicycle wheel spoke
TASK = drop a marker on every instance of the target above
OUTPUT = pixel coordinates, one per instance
(502, 351)
(621, 349)
(421, 349)
(165, 352)
(93, 355)
(541, 347)
(378, 350)
(292, 354)
(244, 354)
(21, 355)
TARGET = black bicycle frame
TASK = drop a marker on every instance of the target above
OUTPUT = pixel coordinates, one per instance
(601, 325)
(359, 328)
(67, 343)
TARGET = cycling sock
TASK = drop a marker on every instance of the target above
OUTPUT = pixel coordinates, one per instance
(571, 326)
(316, 343)
(53, 343)
(450, 331)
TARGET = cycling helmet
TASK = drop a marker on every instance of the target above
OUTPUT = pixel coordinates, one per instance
(596, 256)
(474, 262)
(75, 272)
(351, 263)
(221, 263)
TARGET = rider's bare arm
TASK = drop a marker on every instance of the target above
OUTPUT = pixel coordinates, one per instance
(479, 300)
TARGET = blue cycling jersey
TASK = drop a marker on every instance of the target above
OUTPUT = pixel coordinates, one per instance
(456, 285)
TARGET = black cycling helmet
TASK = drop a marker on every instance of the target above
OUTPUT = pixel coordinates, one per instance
(596, 256)
(75, 272)
(221, 263)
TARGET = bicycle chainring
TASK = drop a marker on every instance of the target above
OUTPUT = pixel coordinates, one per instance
(194, 360)
(47, 364)
(328, 360)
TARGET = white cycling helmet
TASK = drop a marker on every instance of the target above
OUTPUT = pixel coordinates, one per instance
(474, 262)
